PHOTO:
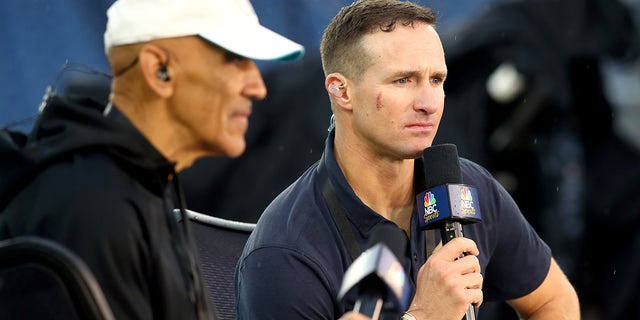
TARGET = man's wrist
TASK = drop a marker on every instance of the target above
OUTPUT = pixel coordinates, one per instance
(408, 316)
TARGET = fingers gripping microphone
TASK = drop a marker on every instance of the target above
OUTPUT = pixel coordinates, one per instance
(376, 277)
(447, 204)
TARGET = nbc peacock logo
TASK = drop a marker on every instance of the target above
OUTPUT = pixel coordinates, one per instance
(466, 202)
(429, 199)
(465, 194)
(430, 210)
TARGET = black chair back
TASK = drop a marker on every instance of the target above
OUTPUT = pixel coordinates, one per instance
(41, 279)
(220, 243)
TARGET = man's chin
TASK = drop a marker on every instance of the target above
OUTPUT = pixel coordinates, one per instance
(235, 150)
(416, 152)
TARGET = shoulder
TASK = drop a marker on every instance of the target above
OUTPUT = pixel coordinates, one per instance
(88, 190)
(473, 172)
(489, 189)
(297, 225)
(93, 172)
(295, 217)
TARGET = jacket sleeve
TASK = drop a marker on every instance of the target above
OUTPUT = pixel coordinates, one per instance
(119, 255)
(105, 231)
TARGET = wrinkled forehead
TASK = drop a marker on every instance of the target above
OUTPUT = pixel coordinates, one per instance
(418, 44)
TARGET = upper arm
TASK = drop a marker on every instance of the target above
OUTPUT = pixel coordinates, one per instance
(555, 298)
(279, 283)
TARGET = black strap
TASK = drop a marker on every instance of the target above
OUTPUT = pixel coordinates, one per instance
(340, 218)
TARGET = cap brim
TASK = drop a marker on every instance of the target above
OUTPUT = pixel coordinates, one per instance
(256, 42)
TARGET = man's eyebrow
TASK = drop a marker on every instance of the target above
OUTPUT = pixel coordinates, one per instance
(405, 74)
(415, 73)
(440, 74)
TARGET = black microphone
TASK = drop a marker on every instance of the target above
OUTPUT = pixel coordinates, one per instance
(448, 203)
(377, 277)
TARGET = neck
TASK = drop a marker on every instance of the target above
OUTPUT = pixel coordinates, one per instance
(159, 130)
(384, 185)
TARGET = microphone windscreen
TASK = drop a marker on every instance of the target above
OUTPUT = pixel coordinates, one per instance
(391, 236)
(441, 165)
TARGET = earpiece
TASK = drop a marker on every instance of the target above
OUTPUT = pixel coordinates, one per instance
(333, 88)
(163, 73)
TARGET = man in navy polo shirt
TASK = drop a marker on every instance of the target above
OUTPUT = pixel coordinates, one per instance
(385, 68)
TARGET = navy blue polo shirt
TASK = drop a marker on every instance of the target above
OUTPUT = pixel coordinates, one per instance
(293, 263)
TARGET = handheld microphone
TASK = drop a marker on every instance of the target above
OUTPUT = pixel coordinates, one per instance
(377, 277)
(448, 203)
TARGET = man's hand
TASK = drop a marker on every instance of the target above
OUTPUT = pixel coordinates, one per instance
(354, 316)
(447, 284)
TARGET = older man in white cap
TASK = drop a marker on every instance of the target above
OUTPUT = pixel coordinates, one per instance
(102, 181)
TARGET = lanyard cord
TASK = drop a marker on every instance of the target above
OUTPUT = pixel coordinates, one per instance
(194, 283)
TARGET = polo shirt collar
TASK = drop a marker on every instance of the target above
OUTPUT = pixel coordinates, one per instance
(361, 216)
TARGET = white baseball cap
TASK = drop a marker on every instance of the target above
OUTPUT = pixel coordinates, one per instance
(230, 24)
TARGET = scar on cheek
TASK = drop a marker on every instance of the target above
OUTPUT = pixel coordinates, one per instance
(379, 102)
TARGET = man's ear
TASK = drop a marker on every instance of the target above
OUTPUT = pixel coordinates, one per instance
(337, 87)
(156, 69)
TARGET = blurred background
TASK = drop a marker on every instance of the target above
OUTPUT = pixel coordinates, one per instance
(543, 93)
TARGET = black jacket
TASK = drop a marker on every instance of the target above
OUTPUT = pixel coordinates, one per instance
(95, 184)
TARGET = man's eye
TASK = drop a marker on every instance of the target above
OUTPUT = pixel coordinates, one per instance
(402, 80)
(232, 57)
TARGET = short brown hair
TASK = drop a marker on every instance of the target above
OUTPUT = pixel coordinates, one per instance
(340, 48)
